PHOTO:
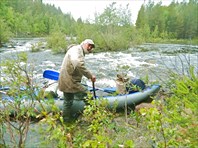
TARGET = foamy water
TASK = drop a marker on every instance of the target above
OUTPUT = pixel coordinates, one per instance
(135, 63)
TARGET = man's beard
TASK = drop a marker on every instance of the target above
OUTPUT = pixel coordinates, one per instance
(86, 51)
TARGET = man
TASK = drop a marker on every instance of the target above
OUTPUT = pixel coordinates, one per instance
(72, 70)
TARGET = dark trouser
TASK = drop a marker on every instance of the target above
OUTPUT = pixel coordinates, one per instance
(68, 102)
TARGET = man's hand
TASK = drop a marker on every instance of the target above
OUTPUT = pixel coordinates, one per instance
(93, 78)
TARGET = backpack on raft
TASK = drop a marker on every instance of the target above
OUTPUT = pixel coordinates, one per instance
(135, 85)
(124, 85)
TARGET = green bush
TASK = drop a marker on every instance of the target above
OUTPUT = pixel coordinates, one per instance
(57, 42)
(173, 122)
(37, 46)
(16, 115)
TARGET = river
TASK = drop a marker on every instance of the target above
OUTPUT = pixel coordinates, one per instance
(154, 60)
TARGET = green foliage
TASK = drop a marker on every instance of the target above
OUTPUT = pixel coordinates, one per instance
(94, 129)
(112, 30)
(15, 114)
(5, 32)
(58, 134)
(57, 42)
(145, 32)
(37, 47)
(18, 71)
(105, 38)
(113, 16)
(172, 122)
(97, 114)
(85, 31)
(100, 125)
(178, 20)
(33, 18)
(98, 141)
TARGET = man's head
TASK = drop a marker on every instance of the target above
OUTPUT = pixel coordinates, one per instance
(88, 45)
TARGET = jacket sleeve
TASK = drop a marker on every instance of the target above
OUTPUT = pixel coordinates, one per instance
(82, 69)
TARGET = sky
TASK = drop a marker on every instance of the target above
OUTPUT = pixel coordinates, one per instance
(86, 8)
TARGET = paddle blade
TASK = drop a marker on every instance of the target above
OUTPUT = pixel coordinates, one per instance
(51, 74)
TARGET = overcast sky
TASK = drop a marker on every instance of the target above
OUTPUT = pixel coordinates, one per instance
(86, 8)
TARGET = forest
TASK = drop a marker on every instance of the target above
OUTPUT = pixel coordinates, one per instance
(112, 30)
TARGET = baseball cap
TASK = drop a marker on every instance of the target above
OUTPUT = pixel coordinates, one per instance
(89, 41)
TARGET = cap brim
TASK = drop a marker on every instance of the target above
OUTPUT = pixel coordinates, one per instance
(92, 45)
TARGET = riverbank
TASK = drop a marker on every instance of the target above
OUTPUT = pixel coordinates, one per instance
(15, 42)
(176, 41)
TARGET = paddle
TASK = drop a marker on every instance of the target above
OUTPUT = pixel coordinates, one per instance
(94, 92)
(51, 74)
(54, 75)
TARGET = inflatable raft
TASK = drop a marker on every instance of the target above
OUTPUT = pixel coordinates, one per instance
(121, 100)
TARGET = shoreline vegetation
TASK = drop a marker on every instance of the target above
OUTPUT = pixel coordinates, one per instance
(112, 30)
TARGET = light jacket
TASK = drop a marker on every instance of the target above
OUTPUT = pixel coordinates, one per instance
(72, 70)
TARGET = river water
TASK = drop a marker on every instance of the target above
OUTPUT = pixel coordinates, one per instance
(154, 60)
